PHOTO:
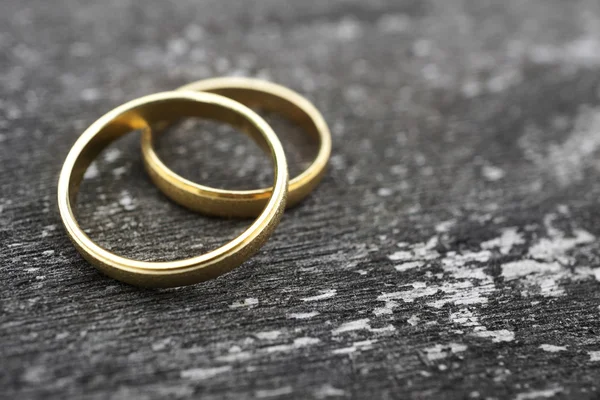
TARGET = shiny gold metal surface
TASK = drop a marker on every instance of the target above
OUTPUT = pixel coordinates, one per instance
(140, 114)
(244, 203)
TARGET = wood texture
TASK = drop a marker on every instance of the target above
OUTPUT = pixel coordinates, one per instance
(451, 252)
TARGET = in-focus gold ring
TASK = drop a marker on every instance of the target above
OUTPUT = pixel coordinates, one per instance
(244, 203)
(141, 114)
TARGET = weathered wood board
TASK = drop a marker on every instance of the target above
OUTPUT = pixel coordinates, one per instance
(451, 251)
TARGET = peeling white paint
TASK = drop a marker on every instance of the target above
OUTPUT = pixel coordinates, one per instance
(119, 171)
(198, 374)
(385, 192)
(127, 201)
(419, 289)
(538, 394)
(445, 226)
(417, 251)
(266, 393)
(325, 294)
(492, 173)
(439, 352)
(387, 309)
(413, 320)
(327, 390)
(594, 356)
(556, 246)
(454, 293)
(552, 348)
(249, 302)
(306, 315)
(409, 265)
(111, 155)
(91, 172)
(161, 344)
(356, 346)
(518, 269)
(509, 238)
(297, 344)
(361, 324)
(268, 335)
(502, 335)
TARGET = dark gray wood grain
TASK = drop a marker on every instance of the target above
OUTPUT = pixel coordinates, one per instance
(451, 251)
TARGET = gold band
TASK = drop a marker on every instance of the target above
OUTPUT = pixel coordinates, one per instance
(140, 114)
(244, 203)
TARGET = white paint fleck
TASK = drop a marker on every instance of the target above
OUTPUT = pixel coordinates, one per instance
(439, 351)
(400, 255)
(361, 324)
(409, 265)
(306, 315)
(325, 294)
(454, 259)
(445, 226)
(413, 320)
(297, 344)
(162, 344)
(552, 348)
(47, 253)
(198, 374)
(502, 335)
(385, 192)
(544, 270)
(126, 201)
(518, 269)
(594, 356)
(328, 391)
(92, 172)
(268, 335)
(417, 251)
(507, 240)
(249, 302)
(538, 394)
(119, 171)
(420, 289)
(387, 309)
(266, 393)
(356, 346)
(462, 292)
(111, 155)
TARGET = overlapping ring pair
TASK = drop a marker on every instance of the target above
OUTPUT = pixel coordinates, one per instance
(222, 99)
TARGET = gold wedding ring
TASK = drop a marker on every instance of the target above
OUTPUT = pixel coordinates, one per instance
(141, 114)
(244, 203)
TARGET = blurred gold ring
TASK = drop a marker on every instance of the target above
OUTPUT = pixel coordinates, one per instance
(245, 203)
(141, 114)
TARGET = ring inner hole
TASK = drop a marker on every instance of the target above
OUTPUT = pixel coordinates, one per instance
(121, 210)
(216, 155)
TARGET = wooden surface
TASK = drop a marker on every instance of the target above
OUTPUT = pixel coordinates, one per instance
(451, 251)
